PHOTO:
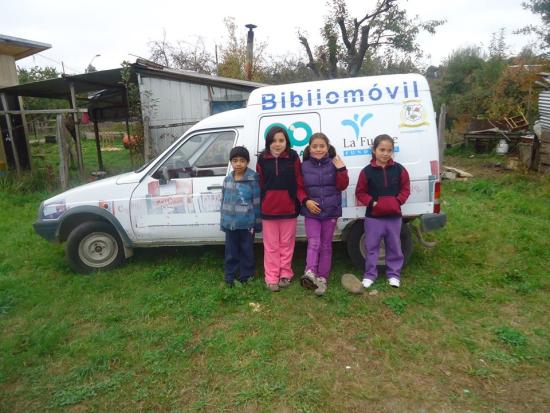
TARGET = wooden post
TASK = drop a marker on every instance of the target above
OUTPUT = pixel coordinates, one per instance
(441, 133)
(79, 159)
(98, 146)
(10, 134)
(146, 140)
(25, 129)
(63, 152)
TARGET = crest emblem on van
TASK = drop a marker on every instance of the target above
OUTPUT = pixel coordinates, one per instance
(413, 114)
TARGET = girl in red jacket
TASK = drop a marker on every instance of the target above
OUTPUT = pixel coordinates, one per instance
(383, 186)
(282, 193)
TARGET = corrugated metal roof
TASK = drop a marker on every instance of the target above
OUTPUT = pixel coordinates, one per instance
(108, 79)
(145, 66)
(544, 108)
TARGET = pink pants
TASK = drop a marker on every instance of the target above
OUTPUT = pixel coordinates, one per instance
(278, 237)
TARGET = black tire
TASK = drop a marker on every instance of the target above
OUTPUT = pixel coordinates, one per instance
(94, 246)
(356, 247)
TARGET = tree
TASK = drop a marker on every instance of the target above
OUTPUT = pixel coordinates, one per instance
(497, 47)
(233, 55)
(456, 84)
(182, 55)
(232, 61)
(287, 69)
(542, 8)
(35, 74)
(348, 41)
(90, 69)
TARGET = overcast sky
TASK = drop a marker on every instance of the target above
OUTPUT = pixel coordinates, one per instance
(117, 29)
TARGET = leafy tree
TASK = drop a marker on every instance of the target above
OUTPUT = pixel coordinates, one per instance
(542, 8)
(348, 41)
(497, 47)
(233, 55)
(35, 74)
(287, 69)
(90, 69)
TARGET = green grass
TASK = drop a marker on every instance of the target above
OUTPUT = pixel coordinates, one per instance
(467, 331)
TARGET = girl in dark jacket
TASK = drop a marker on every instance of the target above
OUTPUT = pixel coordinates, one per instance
(282, 192)
(325, 177)
(383, 186)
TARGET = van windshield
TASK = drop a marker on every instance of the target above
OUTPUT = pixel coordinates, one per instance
(205, 154)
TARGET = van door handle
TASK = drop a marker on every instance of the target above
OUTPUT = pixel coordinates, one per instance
(214, 187)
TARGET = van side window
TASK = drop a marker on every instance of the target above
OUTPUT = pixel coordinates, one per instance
(205, 154)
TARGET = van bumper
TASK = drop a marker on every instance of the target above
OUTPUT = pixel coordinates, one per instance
(432, 222)
(47, 229)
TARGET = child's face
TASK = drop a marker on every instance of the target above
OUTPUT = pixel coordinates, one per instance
(318, 148)
(239, 164)
(278, 145)
(383, 152)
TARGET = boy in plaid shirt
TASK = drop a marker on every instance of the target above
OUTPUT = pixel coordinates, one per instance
(240, 217)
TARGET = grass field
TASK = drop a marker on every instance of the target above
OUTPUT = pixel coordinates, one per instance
(468, 330)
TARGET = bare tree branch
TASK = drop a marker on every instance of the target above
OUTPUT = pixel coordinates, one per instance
(344, 31)
(383, 7)
(363, 47)
(311, 64)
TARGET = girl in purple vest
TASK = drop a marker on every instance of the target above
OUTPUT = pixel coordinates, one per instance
(325, 177)
(383, 186)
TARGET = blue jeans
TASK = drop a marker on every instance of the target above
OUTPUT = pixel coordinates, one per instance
(239, 255)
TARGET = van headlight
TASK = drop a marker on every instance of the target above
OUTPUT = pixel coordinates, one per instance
(52, 209)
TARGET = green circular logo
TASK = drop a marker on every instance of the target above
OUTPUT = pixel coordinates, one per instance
(290, 131)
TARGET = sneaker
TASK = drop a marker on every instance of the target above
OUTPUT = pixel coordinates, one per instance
(394, 282)
(274, 288)
(284, 282)
(321, 285)
(352, 284)
(367, 282)
(308, 280)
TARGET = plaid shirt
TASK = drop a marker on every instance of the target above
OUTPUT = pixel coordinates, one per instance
(241, 203)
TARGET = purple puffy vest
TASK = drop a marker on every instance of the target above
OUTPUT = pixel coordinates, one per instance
(320, 184)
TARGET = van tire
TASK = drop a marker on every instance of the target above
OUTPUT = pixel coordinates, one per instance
(94, 246)
(356, 248)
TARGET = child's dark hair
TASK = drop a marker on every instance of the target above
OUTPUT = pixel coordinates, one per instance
(239, 151)
(270, 137)
(378, 140)
(319, 135)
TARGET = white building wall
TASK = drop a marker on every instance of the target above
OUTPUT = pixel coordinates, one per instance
(173, 106)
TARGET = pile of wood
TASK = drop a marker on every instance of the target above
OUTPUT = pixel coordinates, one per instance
(451, 173)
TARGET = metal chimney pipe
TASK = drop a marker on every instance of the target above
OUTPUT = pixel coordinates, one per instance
(249, 50)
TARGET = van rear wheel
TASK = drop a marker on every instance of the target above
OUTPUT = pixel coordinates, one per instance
(355, 245)
(94, 246)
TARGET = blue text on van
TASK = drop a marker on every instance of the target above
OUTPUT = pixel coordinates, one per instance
(311, 98)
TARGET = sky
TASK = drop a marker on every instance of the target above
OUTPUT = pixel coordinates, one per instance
(119, 30)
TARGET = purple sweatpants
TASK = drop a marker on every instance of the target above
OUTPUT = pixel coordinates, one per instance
(388, 229)
(319, 245)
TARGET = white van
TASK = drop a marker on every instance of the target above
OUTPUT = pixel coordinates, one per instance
(175, 199)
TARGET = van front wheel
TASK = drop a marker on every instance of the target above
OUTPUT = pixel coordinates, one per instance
(355, 245)
(94, 246)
